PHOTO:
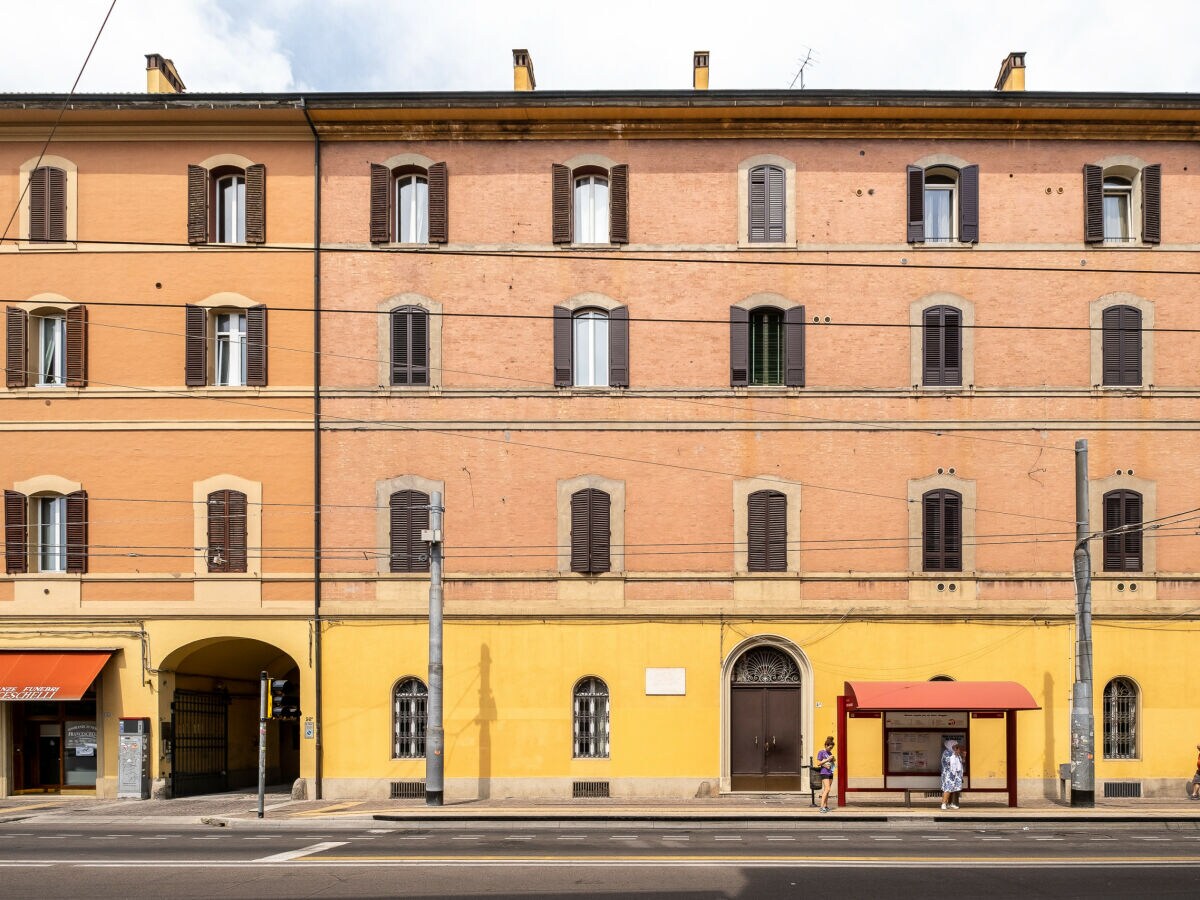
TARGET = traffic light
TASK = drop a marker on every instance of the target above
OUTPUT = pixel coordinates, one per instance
(285, 700)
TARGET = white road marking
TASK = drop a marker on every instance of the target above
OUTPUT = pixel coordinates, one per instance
(933, 837)
(727, 837)
(519, 837)
(54, 837)
(211, 837)
(104, 837)
(676, 837)
(993, 839)
(155, 837)
(826, 837)
(622, 837)
(1047, 839)
(303, 851)
(260, 837)
(571, 837)
(1148, 838)
(467, 837)
(784, 837)
(886, 839)
(414, 837)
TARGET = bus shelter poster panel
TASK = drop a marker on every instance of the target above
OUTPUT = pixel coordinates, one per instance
(914, 742)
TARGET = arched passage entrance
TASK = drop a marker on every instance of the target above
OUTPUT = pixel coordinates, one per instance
(211, 691)
(768, 693)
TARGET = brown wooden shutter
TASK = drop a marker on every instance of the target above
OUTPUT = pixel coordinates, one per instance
(942, 531)
(968, 205)
(217, 552)
(16, 329)
(916, 204)
(198, 191)
(1122, 552)
(599, 531)
(561, 203)
(235, 530)
(942, 346)
(739, 346)
(580, 532)
(256, 204)
(931, 353)
(77, 532)
(951, 346)
(758, 204)
(776, 204)
(16, 533)
(401, 322)
(766, 535)
(793, 347)
(76, 356)
(618, 204)
(256, 346)
(410, 346)
(618, 347)
(1093, 204)
(409, 515)
(381, 191)
(1121, 346)
(563, 347)
(195, 356)
(56, 204)
(38, 190)
(439, 204)
(1152, 204)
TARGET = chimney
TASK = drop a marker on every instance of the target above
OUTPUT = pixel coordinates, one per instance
(700, 70)
(161, 77)
(523, 79)
(1012, 72)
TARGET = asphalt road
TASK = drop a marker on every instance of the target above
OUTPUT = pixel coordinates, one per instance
(651, 859)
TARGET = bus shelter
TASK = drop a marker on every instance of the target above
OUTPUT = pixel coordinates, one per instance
(916, 718)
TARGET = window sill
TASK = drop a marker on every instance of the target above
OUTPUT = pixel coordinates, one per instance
(574, 246)
(406, 245)
(941, 245)
(45, 576)
(767, 245)
(47, 245)
(587, 390)
(1131, 244)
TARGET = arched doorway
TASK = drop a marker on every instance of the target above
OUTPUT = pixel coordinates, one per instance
(212, 743)
(765, 720)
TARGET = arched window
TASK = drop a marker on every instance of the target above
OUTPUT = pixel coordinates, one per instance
(941, 204)
(409, 718)
(226, 531)
(1120, 719)
(409, 511)
(941, 342)
(590, 219)
(230, 346)
(48, 204)
(1118, 202)
(50, 363)
(942, 531)
(767, 532)
(766, 346)
(591, 719)
(941, 678)
(1121, 346)
(1122, 202)
(411, 206)
(1122, 552)
(591, 531)
(410, 346)
(768, 205)
(229, 206)
(589, 350)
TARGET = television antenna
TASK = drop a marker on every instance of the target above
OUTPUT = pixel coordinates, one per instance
(803, 64)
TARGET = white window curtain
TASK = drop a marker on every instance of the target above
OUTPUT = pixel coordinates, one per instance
(231, 349)
(52, 534)
(939, 211)
(412, 209)
(591, 348)
(1116, 211)
(231, 209)
(51, 348)
(591, 210)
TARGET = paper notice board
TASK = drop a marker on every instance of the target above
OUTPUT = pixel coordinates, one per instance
(914, 752)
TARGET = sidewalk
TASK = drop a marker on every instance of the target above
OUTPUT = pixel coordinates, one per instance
(240, 809)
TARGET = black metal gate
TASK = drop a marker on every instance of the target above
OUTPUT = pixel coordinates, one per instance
(200, 747)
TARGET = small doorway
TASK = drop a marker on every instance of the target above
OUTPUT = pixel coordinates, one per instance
(54, 745)
(765, 737)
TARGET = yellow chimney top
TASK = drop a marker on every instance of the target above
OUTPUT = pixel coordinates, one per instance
(700, 70)
(1012, 72)
(523, 79)
(161, 77)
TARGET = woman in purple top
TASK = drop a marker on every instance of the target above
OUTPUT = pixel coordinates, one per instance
(828, 762)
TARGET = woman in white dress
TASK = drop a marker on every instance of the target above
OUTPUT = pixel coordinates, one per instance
(952, 775)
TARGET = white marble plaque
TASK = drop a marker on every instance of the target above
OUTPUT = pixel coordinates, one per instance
(666, 682)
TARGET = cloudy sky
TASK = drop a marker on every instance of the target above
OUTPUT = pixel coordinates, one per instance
(462, 45)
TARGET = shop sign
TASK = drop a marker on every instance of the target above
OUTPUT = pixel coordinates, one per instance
(925, 720)
(29, 692)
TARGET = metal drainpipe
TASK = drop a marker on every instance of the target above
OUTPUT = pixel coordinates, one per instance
(318, 721)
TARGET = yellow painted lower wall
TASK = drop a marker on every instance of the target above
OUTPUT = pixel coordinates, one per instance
(509, 684)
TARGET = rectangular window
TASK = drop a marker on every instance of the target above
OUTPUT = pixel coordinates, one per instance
(1116, 216)
(766, 346)
(231, 349)
(591, 210)
(1123, 552)
(231, 210)
(52, 335)
(590, 350)
(52, 534)
(942, 531)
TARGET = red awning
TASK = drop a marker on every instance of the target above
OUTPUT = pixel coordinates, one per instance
(49, 676)
(934, 695)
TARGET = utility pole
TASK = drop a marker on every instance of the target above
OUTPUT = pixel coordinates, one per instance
(435, 736)
(1083, 725)
(262, 740)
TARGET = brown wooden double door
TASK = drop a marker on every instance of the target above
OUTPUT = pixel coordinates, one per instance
(764, 739)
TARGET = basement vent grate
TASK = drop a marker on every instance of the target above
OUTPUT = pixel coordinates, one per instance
(581, 790)
(408, 790)
(933, 795)
(1122, 789)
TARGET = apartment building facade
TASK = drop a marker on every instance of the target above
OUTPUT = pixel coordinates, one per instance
(735, 400)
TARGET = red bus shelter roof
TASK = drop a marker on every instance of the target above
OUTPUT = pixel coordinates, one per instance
(933, 695)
